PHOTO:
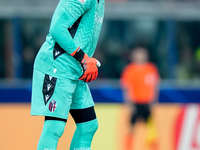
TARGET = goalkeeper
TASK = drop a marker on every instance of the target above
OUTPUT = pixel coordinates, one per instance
(62, 67)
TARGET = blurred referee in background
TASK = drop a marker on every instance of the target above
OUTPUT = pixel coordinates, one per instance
(139, 81)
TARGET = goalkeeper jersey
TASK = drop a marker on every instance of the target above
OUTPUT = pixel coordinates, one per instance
(75, 23)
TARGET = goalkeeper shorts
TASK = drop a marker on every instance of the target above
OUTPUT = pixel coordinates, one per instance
(55, 97)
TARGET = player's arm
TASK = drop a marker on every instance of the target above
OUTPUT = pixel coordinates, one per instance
(125, 82)
(59, 30)
(126, 77)
(63, 19)
(66, 14)
(157, 82)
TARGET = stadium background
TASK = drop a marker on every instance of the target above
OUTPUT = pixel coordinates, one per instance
(170, 30)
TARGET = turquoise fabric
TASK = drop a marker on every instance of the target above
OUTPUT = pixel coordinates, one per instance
(52, 131)
(83, 135)
(86, 37)
(68, 94)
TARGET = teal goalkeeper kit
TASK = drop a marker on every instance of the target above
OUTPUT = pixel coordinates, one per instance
(56, 84)
(88, 16)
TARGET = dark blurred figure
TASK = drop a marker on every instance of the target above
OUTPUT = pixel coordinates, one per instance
(28, 59)
(139, 80)
(185, 66)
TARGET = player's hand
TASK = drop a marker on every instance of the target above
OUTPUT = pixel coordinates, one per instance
(89, 66)
(90, 70)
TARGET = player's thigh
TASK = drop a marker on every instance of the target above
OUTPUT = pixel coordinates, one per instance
(144, 111)
(134, 114)
(51, 96)
(147, 112)
(82, 97)
(83, 115)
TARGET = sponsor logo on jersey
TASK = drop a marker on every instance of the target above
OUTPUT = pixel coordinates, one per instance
(48, 86)
(50, 77)
(47, 97)
(82, 1)
(56, 53)
(52, 106)
(98, 18)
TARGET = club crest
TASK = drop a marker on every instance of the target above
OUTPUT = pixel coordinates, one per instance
(52, 106)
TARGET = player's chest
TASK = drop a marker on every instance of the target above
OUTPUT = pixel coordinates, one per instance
(145, 76)
(93, 19)
(99, 12)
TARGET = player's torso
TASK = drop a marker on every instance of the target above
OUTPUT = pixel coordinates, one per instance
(89, 28)
(144, 74)
(85, 36)
(144, 83)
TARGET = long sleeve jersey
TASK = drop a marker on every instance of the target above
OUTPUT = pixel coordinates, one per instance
(75, 23)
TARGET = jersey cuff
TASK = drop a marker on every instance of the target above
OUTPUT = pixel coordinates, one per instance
(79, 55)
(72, 54)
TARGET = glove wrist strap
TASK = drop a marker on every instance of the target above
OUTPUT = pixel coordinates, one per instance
(79, 55)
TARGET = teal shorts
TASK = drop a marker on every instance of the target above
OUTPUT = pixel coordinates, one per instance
(55, 97)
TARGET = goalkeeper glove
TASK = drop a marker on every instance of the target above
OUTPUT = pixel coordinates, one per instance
(89, 65)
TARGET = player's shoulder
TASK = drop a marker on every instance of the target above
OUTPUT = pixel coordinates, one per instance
(86, 2)
(129, 66)
(129, 69)
(77, 4)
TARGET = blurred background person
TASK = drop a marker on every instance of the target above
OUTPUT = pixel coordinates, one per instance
(139, 80)
(172, 40)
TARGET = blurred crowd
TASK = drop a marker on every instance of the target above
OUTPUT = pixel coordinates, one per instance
(173, 46)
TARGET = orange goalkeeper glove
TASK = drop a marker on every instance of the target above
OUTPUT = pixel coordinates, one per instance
(89, 65)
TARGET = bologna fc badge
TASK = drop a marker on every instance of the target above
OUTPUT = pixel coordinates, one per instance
(52, 106)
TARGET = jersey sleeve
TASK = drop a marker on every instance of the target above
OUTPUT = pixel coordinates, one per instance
(65, 15)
